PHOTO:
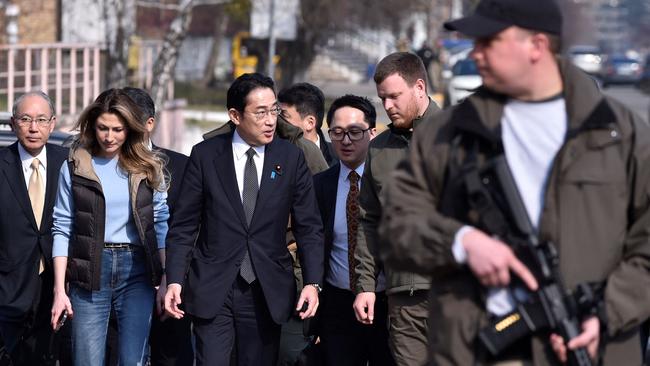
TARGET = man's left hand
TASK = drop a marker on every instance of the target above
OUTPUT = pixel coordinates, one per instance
(309, 294)
(589, 338)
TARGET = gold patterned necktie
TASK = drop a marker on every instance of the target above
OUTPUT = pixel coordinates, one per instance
(36, 191)
(352, 216)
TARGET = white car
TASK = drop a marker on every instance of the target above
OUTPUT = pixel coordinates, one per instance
(464, 80)
(588, 58)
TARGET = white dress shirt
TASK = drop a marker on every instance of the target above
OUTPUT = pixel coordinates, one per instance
(239, 149)
(26, 160)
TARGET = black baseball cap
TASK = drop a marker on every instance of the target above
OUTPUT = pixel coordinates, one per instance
(493, 16)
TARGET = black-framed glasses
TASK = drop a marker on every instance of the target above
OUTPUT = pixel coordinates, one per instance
(354, 134)
(27, 120)
(259, 115)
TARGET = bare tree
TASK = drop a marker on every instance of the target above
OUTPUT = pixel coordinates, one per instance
(120, 26)
(163, 69)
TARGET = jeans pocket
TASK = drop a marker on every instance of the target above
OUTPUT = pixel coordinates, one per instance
(131, 266)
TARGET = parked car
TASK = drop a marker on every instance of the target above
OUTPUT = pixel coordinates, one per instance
(464, 80)
(7, 136)
(622, 70)
(588, 58)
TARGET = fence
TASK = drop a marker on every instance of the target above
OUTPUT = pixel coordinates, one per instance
(68, 73)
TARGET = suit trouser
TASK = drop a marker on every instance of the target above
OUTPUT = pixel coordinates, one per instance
(408, 327)
(171, 342)
(243, 326)
(31, 342)
(124, 287)
(346, 341)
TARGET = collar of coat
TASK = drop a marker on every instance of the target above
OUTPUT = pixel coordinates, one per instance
(283, 129)
(586, 107)
(82, 166)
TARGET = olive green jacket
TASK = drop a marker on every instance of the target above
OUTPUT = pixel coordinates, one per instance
(596, 211)
(385, 151)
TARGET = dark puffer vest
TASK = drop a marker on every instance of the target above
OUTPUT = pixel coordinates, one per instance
(87, 239)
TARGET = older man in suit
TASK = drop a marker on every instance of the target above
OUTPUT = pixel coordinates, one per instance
(28, 180)
(238, 191)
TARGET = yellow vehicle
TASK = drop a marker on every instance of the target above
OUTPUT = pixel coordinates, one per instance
(249, 55)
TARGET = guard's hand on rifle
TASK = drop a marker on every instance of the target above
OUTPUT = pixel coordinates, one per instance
(491, 261)
(589, 338)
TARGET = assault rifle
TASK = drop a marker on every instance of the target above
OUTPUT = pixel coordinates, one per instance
(494, 196)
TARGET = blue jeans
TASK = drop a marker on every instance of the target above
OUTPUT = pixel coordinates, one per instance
(125, 288)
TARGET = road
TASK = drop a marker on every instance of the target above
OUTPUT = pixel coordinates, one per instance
(632, 97)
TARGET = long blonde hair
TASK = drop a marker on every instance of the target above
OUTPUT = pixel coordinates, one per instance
(135, 157)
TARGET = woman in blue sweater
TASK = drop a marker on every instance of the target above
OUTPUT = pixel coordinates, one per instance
(110, 223)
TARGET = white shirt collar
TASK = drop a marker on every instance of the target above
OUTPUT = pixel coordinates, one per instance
(317, 142)
(26, 158)
(240, 146)
(345, 171)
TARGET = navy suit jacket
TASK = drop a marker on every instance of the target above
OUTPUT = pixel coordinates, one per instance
(21, 241)
(210, 203)
(176, 163)
(326, 185)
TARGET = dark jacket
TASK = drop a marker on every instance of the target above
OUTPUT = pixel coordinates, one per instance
(87, 239)
(22, 242)
(175, 165)
(315, 162)
(212, 206)
(596, 211)
(325, 186)
(385, 151)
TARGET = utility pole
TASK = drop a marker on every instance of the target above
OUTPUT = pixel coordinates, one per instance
(271, 65)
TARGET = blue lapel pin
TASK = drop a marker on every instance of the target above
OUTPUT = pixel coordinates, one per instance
(277, 171)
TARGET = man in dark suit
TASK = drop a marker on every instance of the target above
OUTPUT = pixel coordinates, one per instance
(303, 105)
(170, 339)
(29, 171)
(344, 340)
(238, 191)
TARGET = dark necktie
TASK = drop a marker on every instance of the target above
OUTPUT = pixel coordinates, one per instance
(249, 197)
(352, 217)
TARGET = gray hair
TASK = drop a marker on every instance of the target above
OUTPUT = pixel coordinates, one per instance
(36, 93)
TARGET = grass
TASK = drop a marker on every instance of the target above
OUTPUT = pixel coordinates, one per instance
(204, 98)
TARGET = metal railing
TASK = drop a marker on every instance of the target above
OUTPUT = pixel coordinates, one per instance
(68, 73)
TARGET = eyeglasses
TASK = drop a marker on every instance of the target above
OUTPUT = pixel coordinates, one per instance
(354, 134)
(41, 121)
(259, 115)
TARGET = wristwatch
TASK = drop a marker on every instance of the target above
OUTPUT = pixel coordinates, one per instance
(317, 286)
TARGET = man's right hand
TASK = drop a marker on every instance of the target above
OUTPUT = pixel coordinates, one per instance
(172, 300)
(60, 303)
(364, 307)
(492, 260)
